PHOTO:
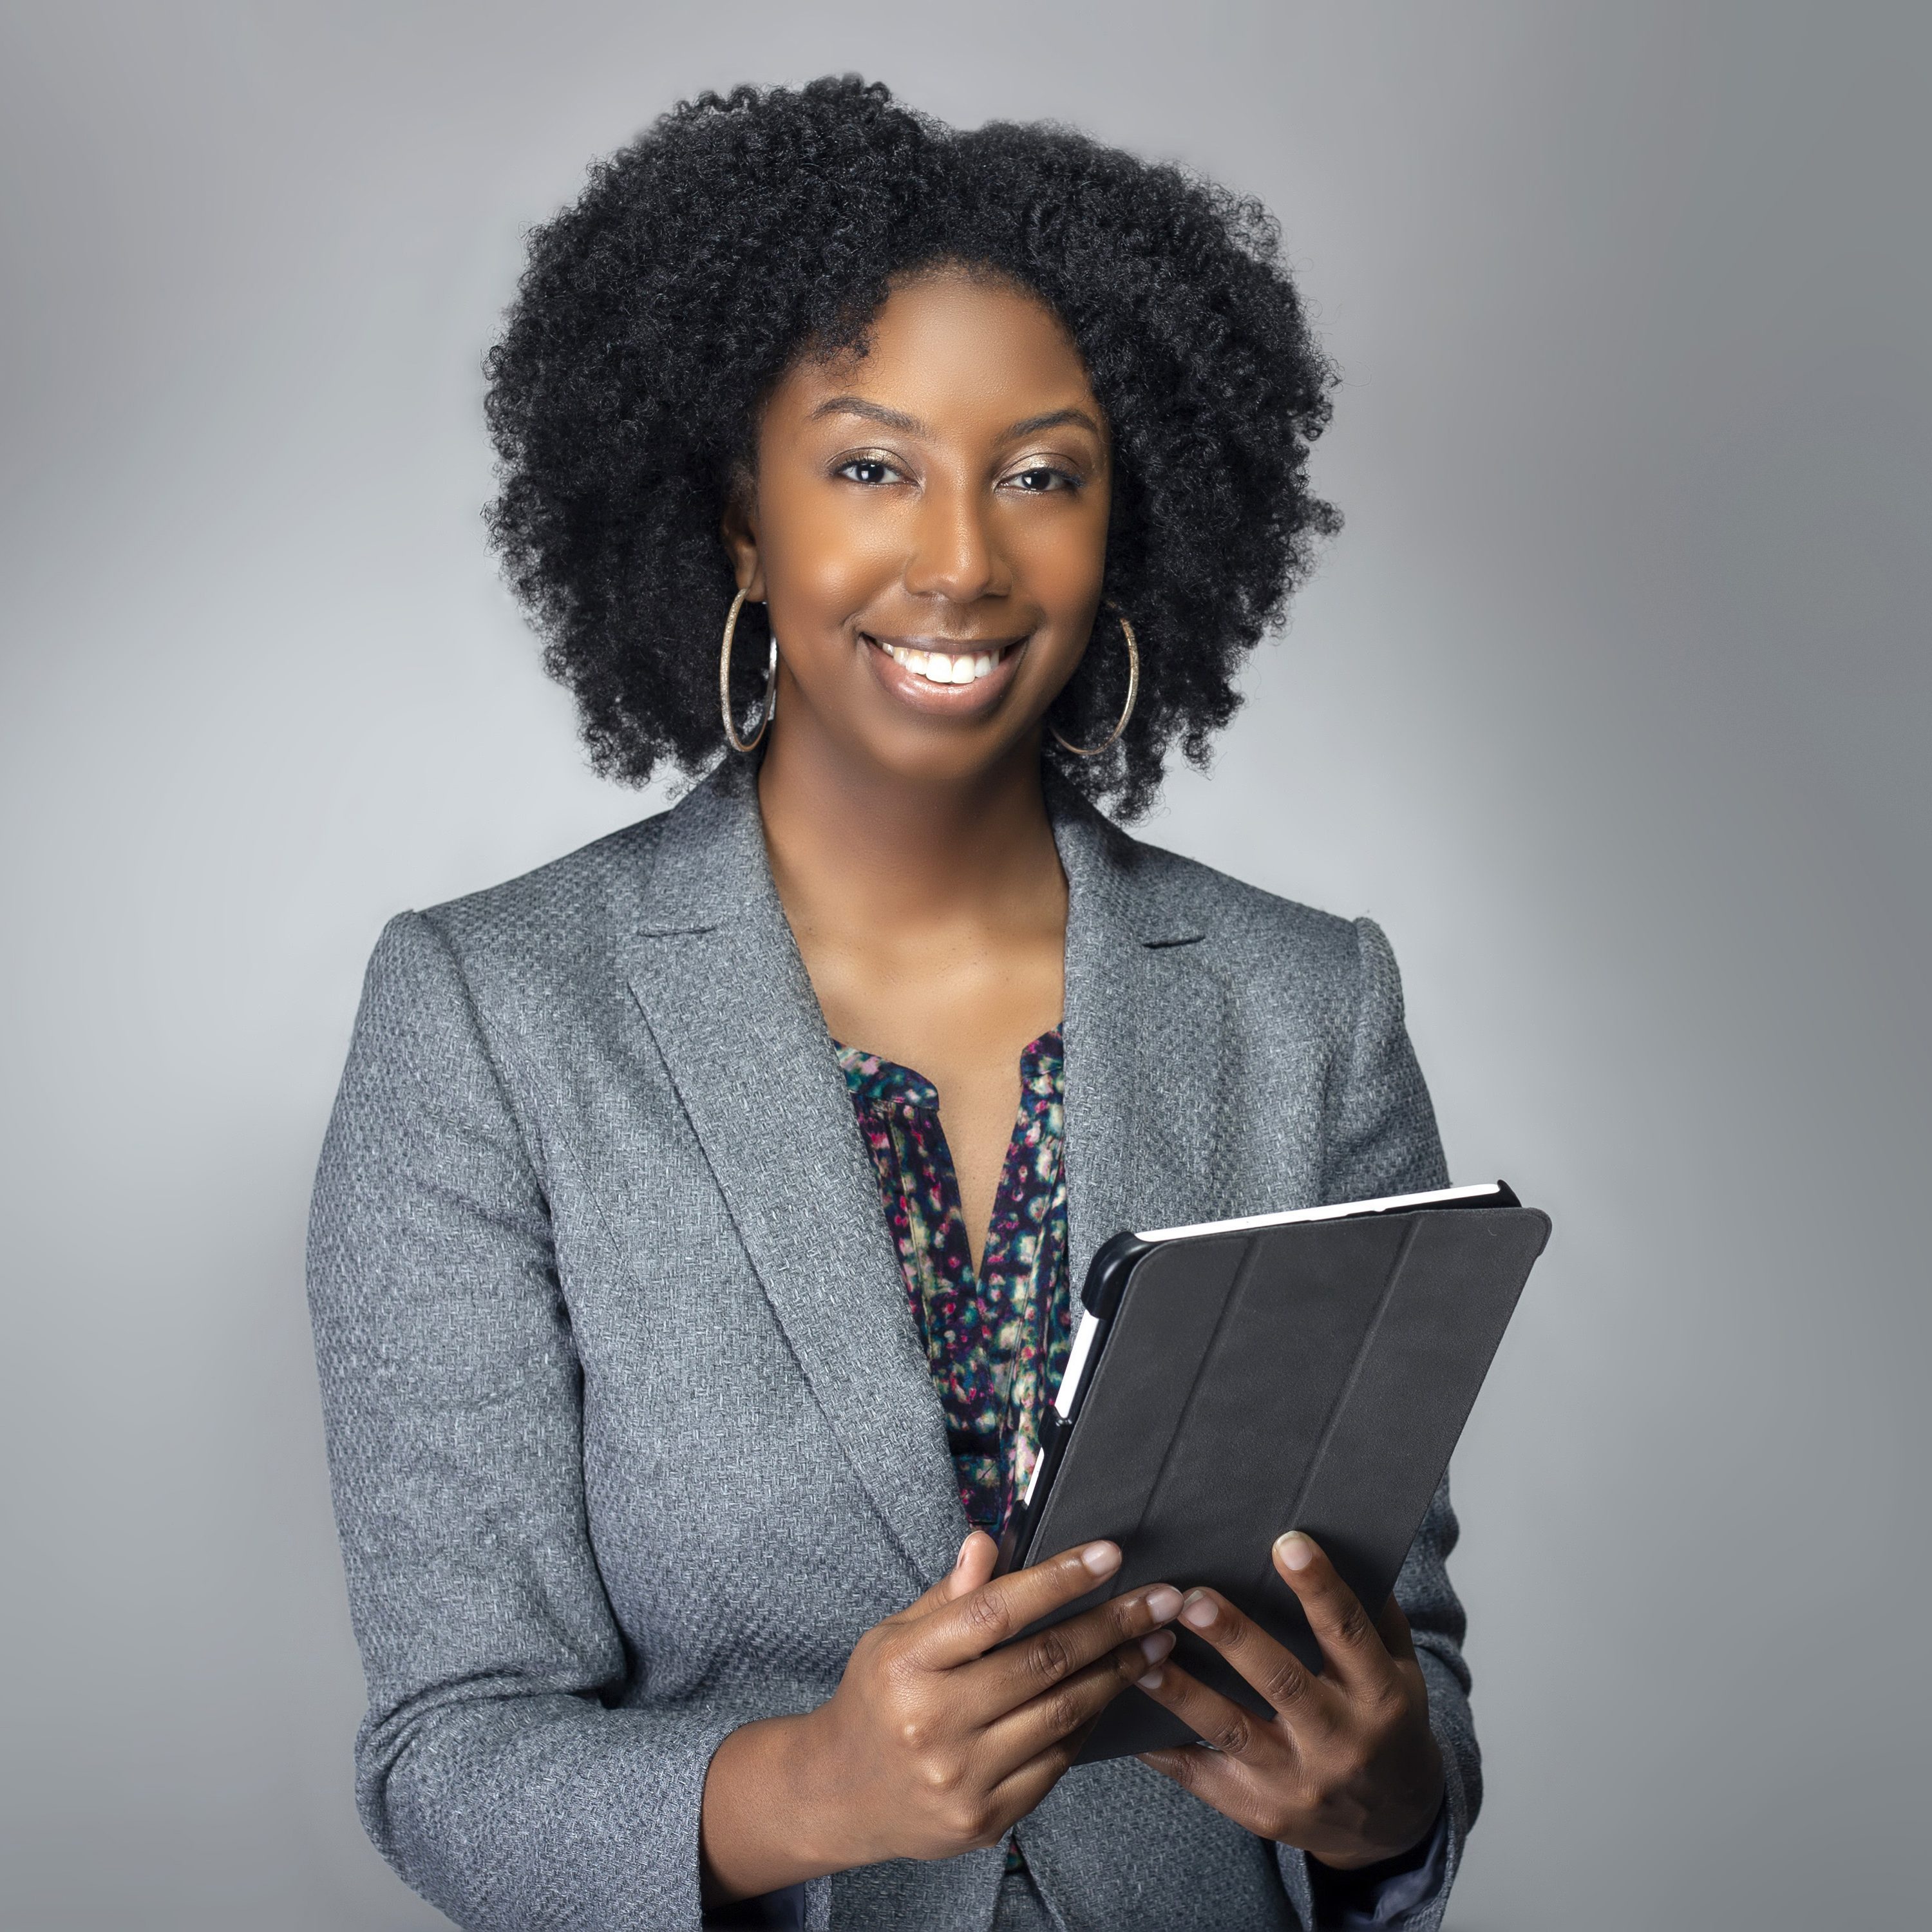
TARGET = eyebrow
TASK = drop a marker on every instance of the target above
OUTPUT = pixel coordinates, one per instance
(891, 418)
(877, 412)
(1052, 419)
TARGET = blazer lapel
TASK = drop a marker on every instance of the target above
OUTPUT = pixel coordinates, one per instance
(714, 969)
(718, 978)
(1147, 1044)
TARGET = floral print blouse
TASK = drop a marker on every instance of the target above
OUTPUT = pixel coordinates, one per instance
(996, 1339)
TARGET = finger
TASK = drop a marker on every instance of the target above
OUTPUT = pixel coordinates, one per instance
(1047, 1733)
(990, 1686)
(1211, 1777)
(1234, 1730)
(1349, 1642)
(985, 1617)
(1271, 1667)
(974, 1566)
(1392, 1627)
(971, 1568)
(1031, 1749)
(1023, 1788)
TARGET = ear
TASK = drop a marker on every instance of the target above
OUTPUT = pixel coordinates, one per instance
(739, 530)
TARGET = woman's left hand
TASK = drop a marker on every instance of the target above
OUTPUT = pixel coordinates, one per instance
(1346, 1768)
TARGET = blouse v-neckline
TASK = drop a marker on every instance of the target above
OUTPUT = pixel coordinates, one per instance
(996, 1337)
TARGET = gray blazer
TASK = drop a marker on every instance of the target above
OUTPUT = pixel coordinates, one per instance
(630, 1431)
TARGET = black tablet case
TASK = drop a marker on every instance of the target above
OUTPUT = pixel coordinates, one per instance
(1312, 1374)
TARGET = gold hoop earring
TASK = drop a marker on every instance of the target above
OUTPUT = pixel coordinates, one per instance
(1133, 692)
(771, 703)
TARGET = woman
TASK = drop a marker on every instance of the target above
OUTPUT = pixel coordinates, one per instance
(696, 1235)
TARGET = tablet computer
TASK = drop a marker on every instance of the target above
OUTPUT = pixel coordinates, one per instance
(1228, 1381)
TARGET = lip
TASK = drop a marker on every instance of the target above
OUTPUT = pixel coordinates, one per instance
(944, 700)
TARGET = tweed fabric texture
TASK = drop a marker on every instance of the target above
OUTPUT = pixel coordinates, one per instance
(630, 1431)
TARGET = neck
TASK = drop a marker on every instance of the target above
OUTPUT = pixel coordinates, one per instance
(854, 845)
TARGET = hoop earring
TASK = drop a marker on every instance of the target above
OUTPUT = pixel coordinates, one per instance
(771, 703)
(1133, 692)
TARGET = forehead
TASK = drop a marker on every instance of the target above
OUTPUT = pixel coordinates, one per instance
(955, 350)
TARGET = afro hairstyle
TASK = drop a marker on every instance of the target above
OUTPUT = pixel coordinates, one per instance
(740, 232)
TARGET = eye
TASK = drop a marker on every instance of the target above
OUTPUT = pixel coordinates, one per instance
(869, 469)
(1039, 478)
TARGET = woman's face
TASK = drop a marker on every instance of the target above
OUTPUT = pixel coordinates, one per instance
(928, 530)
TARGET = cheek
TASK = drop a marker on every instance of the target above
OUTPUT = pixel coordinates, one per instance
(1064, 564)
(822, 563)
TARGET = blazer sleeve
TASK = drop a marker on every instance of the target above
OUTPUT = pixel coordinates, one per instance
(490, 1772)
(1382, 1140)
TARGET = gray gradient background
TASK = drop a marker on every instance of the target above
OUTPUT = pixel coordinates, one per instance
(1612, 703)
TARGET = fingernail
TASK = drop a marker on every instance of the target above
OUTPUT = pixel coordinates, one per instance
(1197, 1608)
(1296, 1551)
(1163, 1600)
(1102, 1558)
(963, 1548)
(1155, 1647)
(1150, 1680)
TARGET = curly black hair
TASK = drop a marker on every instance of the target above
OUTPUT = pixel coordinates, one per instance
(658, 311)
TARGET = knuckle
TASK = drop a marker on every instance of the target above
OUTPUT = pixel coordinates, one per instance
(940, 1775)
(900, 1673)
(1277, 1822)
(1062, 1711)
(1048, 1658)
(972, 1823)
(1388, 1703)
(1349, 1761)
(987, 1616)
(1284, 1684)
(1233, 1734)
(1351, 1621)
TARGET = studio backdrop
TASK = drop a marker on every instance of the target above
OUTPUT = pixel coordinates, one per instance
(1610, 702)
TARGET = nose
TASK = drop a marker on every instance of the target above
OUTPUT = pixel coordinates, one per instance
(955, 554)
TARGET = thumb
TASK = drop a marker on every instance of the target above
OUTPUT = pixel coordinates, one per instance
(971, 1568)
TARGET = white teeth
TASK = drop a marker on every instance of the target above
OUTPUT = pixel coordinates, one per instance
(945, 667)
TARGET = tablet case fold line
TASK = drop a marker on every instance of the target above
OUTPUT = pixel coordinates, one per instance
(1338, 1407)
(1229, 1302)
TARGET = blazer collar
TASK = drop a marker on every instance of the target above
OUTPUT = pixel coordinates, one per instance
(1146, 1029)
(710, 869)
(715, 972)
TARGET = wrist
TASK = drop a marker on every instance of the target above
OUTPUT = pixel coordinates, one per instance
(1409, 1828)
(1376, 1861)
(827, 1829)
(765, 1822)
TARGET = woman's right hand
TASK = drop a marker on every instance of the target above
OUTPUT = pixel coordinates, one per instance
(937, 1740)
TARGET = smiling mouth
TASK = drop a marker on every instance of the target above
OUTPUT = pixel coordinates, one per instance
(950, 667)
